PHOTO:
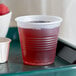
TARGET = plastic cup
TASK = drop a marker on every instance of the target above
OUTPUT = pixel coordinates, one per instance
(4, 24)
(38, 38)
(4, 49)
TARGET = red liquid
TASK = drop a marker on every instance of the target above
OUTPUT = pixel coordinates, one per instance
(38, 46)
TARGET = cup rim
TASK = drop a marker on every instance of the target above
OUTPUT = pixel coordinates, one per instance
(6, 14)
(33, 16)
(4, 40)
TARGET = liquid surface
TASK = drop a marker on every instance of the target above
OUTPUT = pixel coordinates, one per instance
(39, 21)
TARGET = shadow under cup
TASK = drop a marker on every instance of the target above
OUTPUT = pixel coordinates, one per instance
(38, 37)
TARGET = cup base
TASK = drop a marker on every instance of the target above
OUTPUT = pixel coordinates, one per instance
(38, 64)
(2, 62)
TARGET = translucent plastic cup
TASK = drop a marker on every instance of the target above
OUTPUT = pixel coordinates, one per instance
(38, 38)
(4, 24)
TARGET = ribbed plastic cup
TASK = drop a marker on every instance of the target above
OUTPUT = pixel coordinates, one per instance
(38, 38)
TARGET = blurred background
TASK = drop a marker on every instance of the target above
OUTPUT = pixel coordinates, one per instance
(33, 7)
(62, 8)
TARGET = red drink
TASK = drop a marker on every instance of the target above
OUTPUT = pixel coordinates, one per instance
(38, 38)
(3, 9)
(38, 45)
